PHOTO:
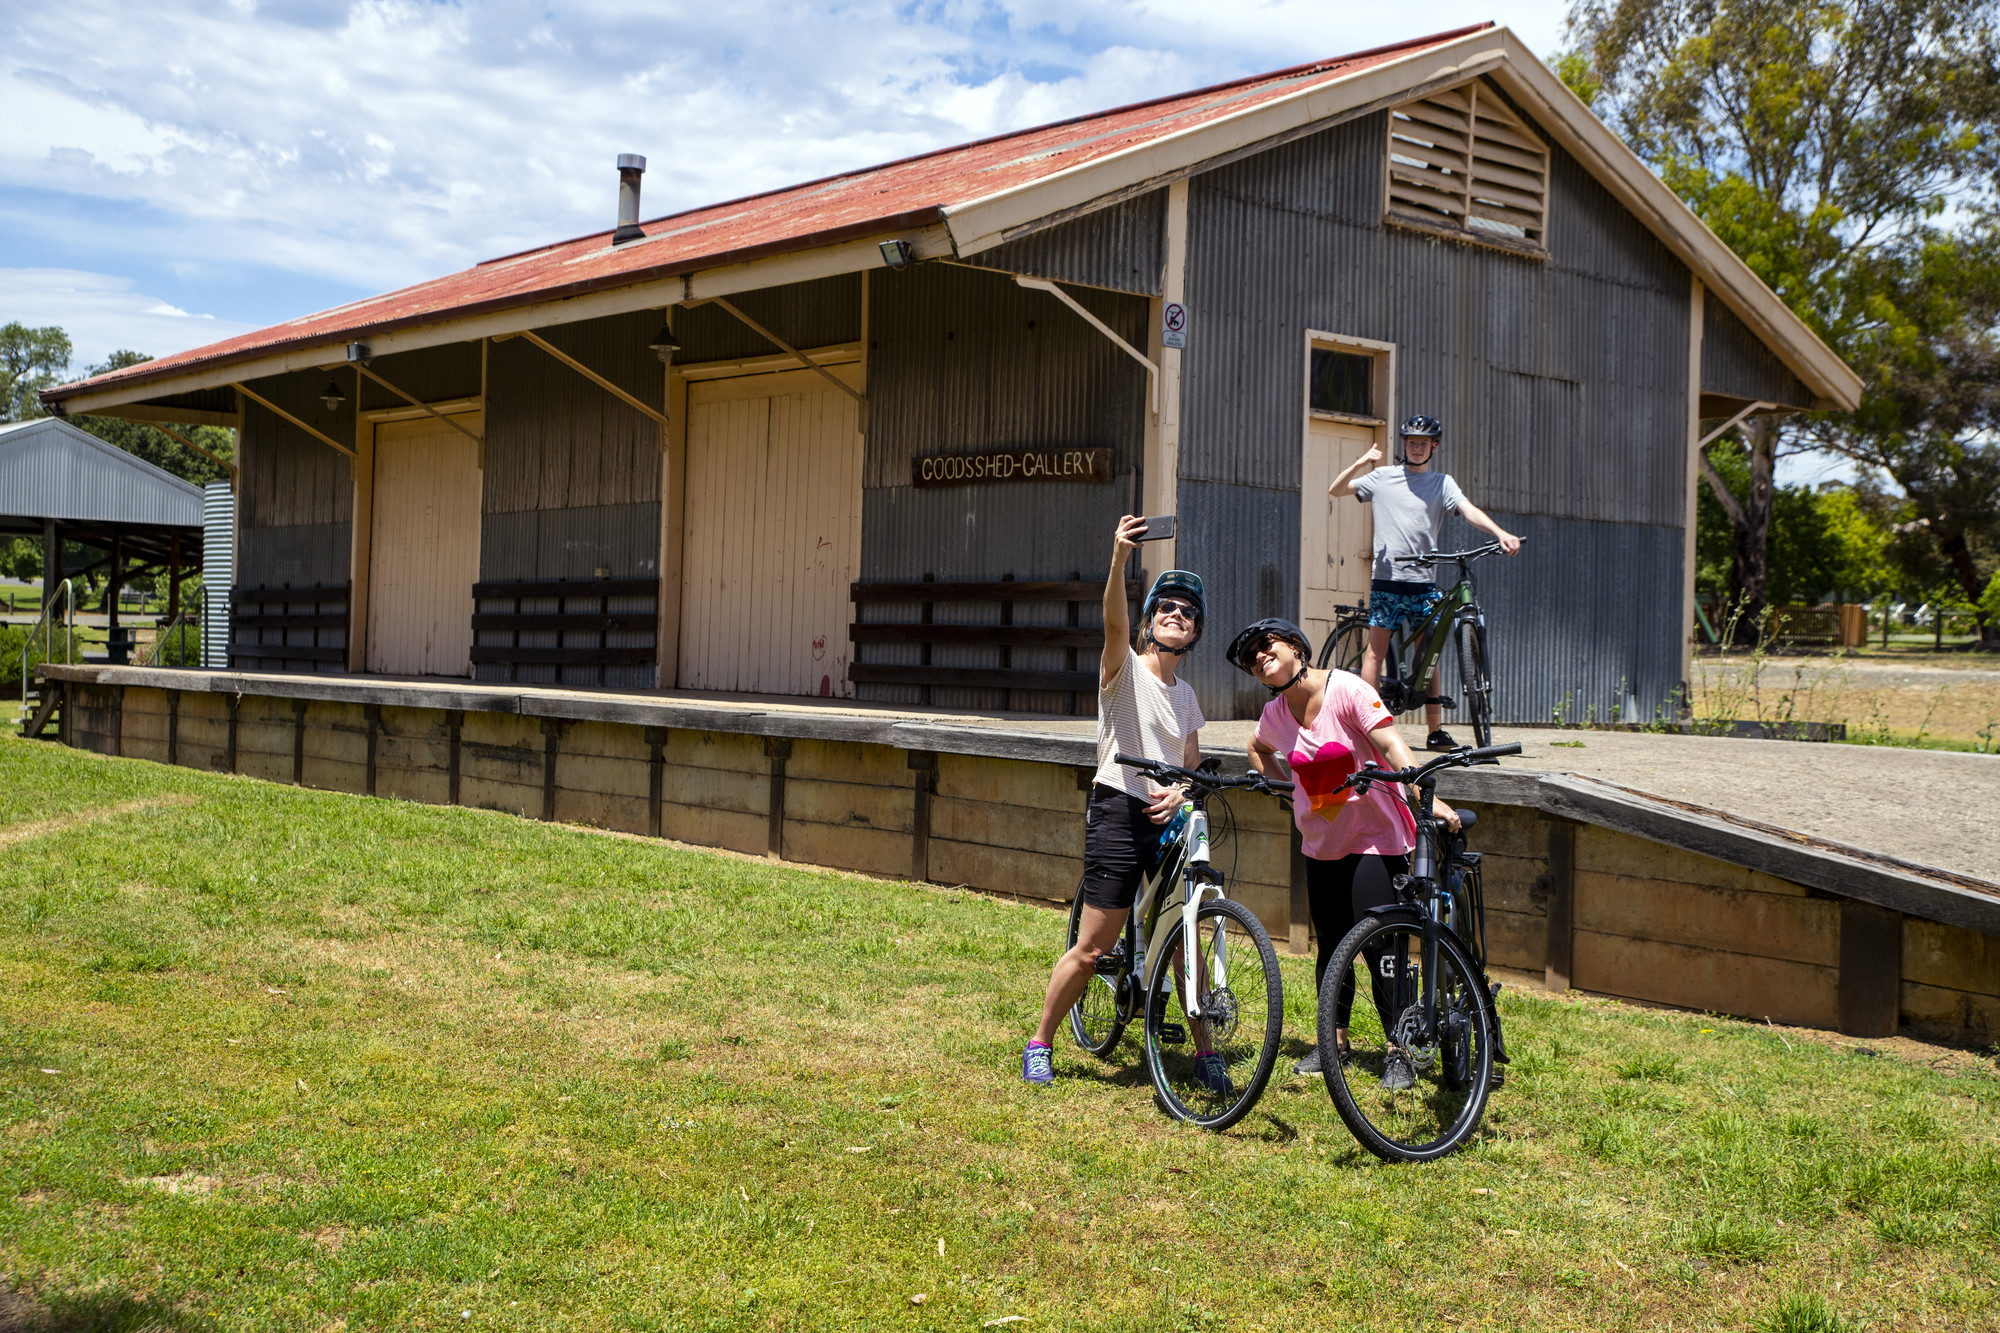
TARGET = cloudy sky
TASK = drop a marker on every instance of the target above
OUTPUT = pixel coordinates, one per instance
(175, 172)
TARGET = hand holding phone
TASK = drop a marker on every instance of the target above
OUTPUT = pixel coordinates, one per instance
(1159, 528)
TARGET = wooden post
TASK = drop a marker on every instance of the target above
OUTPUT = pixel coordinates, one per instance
(52, 560)
(118, 721)
(372, 712)
(777, 751)
(173, 727)
(1006, 650)
(656, 777)
(551, 732)
(1871, 969)
(174, 577)
(1562, 905)
(924, 648)
(454, 719)
(298, 742)
(232, 702)
(923, 765)
(117, 582)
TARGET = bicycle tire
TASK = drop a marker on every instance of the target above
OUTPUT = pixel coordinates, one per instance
(1342, 649)
(1096, 1020)
(1253, 1022)
(1433, 1118)
(1475, 682)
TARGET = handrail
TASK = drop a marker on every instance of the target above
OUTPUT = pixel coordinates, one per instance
(65, 596)
(192, 612)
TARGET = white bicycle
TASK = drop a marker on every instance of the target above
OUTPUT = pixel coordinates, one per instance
(1222, 997)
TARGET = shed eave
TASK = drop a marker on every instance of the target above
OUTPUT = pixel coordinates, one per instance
(826, 254)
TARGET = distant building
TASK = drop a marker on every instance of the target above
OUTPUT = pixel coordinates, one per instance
(1203, 305)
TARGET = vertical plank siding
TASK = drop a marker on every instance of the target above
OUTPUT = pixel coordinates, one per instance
(425, 550)
(773, 531)
(963, 361)
(1561, 383)
(1735, 364)
(1122, 248)
(295, 495)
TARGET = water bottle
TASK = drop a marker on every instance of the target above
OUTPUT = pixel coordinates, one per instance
(1175, 826)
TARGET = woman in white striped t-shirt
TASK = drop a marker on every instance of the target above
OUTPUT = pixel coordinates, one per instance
(1142, 709)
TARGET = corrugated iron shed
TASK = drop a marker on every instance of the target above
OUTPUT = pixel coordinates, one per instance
(51, 469)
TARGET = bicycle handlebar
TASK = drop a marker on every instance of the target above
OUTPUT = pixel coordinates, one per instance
(1436, 556)
(1194, 777)
(1460, 758)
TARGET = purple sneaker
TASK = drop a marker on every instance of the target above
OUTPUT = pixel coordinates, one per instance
(1036, 1066)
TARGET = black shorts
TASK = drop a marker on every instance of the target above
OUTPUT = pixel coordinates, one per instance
(1120, 844)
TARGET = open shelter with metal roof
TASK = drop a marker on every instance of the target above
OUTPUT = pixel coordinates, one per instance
(62, 484)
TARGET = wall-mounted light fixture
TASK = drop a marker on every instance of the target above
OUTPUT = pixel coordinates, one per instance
(332, 396)
(358, 352)
(664, 344)
(898, 254)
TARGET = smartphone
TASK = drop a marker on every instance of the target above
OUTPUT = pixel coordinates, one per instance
(1159, 528)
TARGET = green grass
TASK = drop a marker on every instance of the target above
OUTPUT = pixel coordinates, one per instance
(321, 1062)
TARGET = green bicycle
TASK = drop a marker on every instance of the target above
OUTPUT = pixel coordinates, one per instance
(1413, 654)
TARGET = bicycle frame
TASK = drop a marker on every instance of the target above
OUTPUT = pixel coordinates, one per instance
(1185, 864)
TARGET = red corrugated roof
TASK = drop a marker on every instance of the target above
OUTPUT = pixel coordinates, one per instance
(912, 192)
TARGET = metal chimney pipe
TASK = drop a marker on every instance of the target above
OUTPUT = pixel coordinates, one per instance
(631, 166)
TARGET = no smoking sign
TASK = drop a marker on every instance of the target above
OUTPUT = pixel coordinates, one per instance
(1173, 325)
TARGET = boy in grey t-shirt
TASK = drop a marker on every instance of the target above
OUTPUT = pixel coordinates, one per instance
(1410, 503)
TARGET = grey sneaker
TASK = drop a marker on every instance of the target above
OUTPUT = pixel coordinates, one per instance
(1036, 1065)
(1398, 1074)
(1213, 1074)
(1310, 1064)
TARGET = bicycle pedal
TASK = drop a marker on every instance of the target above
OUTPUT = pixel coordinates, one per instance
(1172, 1034)
(1109, 964)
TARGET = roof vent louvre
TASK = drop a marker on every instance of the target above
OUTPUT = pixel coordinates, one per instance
(1462, 161)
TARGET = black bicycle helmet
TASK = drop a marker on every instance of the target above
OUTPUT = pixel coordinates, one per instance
(1429, 428)
(1243, 649)
(1174, 581)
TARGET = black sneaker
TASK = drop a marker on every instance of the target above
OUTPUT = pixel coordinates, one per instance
(1440, 740)
(1398, 1074)
(1310, 1064)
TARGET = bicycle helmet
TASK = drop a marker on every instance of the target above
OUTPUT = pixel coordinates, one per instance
(1175, 581)
(1429, 428)
(1244, 647)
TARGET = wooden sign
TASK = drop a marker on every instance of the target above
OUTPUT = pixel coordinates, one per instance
(1023, 465)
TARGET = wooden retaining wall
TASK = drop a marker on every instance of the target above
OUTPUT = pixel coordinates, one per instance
(1570, 902)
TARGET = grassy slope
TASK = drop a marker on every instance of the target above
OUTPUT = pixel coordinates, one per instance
(326, 1059)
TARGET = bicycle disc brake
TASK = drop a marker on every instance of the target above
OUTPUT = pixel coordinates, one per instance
(1220, 1011)
(1410, 1036)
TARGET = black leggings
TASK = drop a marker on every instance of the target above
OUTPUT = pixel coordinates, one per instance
(1340, 893)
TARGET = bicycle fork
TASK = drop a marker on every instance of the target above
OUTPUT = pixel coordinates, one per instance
(1199, 883)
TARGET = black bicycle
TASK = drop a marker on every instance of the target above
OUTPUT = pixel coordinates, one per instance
(1214, 1012)
(1412, 1079)
(1414, 651)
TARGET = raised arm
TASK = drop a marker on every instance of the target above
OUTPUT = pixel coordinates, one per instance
(1479, 518)
(1117, 620)
(1355, 471)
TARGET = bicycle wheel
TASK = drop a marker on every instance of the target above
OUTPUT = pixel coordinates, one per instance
(1342, 649)
(1240, 1024)
(1475, 685)
(1096, 1020)
(1451, 1060)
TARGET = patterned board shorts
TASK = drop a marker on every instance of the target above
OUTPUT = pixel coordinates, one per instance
(1387, 609)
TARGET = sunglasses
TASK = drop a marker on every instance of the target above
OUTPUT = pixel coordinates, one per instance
(1185, 610)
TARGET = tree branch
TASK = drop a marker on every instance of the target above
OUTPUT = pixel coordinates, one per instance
(1729, 503)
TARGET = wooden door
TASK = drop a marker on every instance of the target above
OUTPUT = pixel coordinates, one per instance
(1338, 545)
(424, 548)
(772, 534)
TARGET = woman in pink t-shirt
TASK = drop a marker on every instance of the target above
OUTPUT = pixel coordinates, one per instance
(1322, 726)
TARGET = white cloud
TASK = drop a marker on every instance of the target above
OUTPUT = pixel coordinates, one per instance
(103, 314)
(377, 142)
